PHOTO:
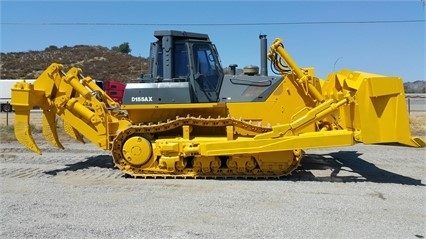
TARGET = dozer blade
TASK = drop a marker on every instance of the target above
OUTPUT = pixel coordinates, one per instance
(23, 130)
(49, 128)
(418, 142)
(383, 111)
(73, 133)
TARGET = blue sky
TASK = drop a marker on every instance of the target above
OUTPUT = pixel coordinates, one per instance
(396, 48)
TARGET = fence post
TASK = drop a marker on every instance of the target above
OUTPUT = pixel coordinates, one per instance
(7, 115)
(409, 105)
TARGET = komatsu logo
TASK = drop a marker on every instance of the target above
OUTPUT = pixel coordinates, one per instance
(142, 99)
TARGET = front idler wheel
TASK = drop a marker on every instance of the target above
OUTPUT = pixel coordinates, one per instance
(137, 150)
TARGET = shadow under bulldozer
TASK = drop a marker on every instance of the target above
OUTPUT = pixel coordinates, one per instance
(347, 166)
(338, 167)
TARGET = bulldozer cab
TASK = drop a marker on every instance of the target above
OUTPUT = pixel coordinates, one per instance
(184, 67)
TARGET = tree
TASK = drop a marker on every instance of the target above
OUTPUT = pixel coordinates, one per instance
(123, 48)
(51, 47)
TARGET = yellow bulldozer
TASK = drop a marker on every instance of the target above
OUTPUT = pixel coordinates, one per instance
(187, 119)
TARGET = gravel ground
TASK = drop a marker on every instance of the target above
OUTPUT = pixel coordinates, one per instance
(349, 192)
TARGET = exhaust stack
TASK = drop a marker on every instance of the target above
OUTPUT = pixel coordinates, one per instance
(263, 56)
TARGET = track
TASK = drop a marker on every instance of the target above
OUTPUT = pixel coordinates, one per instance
(141, 138)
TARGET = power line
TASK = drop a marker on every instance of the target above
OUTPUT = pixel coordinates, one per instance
(209, 24)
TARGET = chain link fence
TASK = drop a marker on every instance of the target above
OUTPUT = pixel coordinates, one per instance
(416, 102)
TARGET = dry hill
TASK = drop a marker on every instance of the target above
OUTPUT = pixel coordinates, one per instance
(96, 61)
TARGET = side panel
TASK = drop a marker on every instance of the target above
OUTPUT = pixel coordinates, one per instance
(284, 104)
(157, 93)
(242, 88)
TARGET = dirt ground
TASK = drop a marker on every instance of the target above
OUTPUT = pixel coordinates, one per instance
(362, 191)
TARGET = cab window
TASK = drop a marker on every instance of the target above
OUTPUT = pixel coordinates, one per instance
(206, 67)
